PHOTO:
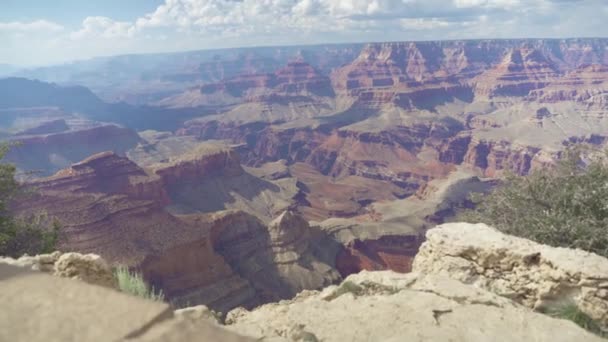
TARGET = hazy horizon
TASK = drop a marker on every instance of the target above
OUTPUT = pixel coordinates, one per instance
(38, 33)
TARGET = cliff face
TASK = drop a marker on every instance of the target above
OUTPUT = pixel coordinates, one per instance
(491, 157)
(579, 85)
(278, 259)
(193, 273)
(521, 71)
(390, 252)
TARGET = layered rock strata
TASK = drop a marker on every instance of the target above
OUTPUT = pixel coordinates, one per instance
(225, 259)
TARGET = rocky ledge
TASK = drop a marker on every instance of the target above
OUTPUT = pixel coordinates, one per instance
(90, 268)
(534, 275)
(388, 306)
(469, 283)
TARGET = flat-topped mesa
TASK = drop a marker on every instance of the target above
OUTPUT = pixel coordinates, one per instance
(106, 173)
(202, 162)
(48, 127)
(521, 71)
(578, 85)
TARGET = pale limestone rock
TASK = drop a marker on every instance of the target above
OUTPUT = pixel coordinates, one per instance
(535, 275)
(39, 307)
(90, 268)
(199, 312)
(387, 306)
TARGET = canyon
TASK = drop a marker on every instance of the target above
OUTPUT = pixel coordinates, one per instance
(241, 177)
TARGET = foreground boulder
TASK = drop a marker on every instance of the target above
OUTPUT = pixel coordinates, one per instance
(387, 306)
(90, 268)
(535, 275)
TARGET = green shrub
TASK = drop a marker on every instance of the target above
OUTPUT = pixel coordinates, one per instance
(344, 288)
(571, 312)
(133, 283)
(564, 206)
(365, 287)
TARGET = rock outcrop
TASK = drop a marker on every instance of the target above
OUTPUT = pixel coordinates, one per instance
(278, 260)
(521, 71)
(535, 275)
(386, 306)
(90, 268)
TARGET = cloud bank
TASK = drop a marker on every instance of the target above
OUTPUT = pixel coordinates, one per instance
(202, 24)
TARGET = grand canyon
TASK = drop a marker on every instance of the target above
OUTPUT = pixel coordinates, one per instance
(240, 177)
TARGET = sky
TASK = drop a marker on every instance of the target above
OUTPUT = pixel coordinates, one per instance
(43, 32)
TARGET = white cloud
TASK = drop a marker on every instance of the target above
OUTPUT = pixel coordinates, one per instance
(490, 3)
(33, 26)
(423, 24)
(103, 27)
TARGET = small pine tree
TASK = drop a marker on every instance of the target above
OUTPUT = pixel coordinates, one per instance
(34, 235)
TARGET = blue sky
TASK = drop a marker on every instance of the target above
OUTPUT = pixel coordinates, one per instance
(40, 32)
(72, 12)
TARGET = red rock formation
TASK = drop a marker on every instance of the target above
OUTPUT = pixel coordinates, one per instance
(193, 167)
(389, 252)
(521, 71)
(296, 81)
(578, 85)
(110, 206)
(193, 272)
(489, 156)
(409, 75)
(105, 203)
(302, 78)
